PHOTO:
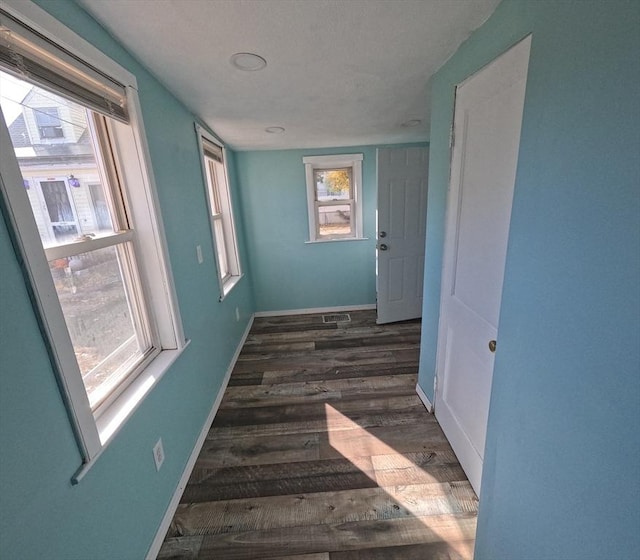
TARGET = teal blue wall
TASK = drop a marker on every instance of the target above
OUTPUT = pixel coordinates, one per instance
(115, 511)
(561, 473)
(289, 273)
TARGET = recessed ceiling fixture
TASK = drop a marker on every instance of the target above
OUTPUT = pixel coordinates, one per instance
(248, 62)
(411, 123)
(274, 129)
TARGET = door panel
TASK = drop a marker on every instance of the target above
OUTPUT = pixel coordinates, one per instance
(402, 210)
(486, 207)
(488, 117)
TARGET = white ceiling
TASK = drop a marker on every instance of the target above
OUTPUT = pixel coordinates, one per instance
(339, 72)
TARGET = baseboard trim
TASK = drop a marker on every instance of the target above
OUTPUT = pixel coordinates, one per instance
(315, 310)
(175, 500)
(425, 400)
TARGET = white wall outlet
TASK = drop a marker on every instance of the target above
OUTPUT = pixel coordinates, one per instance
(158, 454)
(237, 314)
(199, 254)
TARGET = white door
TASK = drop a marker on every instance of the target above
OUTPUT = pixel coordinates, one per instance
(402, 214)
(487, 121)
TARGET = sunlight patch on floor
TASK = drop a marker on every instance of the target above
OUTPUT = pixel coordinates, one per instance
(426, 501)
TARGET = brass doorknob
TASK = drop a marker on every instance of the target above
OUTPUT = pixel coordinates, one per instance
(492, 345)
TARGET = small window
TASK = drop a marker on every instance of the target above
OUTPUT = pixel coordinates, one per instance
(49, 125)
(220, 212)
(83, 216)
(334, 196)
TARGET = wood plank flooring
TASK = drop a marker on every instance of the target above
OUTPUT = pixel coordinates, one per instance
(321, 450)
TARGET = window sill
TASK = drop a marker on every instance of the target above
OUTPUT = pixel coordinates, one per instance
(339, 239)
(229, 285)
(115, 417)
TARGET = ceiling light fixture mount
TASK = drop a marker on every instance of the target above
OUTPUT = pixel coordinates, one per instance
(274, 129)
(411, 123)
(248, 62)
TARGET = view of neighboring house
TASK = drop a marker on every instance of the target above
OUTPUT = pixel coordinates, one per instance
(53, 146)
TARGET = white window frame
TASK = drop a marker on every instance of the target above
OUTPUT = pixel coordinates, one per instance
(96, 429)
(338, 161)
(218, 190)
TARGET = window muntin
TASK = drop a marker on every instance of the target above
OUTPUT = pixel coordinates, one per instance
(220, 213)
(92, 262)
(334, 196)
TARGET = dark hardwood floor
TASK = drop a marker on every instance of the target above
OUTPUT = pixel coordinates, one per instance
(321, 450)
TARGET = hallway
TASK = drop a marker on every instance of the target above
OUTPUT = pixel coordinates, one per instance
(321, 450)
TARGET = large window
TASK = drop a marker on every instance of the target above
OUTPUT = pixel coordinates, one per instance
(82, 211)
(92, 260)
(220, 212)
(334, 196)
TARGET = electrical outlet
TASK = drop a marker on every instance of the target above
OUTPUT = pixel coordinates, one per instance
(199, 254)
(237, 314)
(158, 454)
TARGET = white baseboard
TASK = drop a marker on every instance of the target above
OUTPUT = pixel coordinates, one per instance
(423, 397)
(175, 500)
(316, 310)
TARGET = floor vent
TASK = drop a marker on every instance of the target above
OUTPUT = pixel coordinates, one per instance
(336, 318)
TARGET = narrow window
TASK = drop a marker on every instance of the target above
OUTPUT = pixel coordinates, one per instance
(220, 212)
(80, 215)
(334, 195)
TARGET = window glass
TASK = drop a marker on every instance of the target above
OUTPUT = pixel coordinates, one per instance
(333, 184)
(93, 294)
(334, 220)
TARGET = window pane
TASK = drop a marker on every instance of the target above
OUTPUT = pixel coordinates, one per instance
(216, 173)
(334, 220)
(221, 249)
(55, 150)
(93, 296)
(333, 184)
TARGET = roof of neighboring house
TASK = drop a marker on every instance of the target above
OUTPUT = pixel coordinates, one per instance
(18, 132)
